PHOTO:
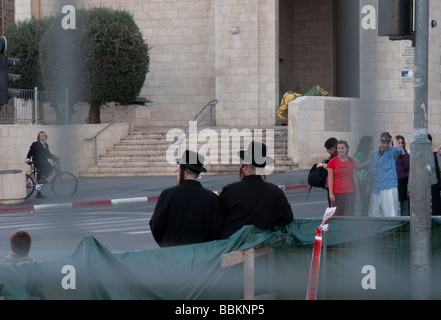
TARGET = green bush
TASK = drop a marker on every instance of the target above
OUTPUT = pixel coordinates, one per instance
(63, 59)
(23, 43)
(104, 59)
(118, 55)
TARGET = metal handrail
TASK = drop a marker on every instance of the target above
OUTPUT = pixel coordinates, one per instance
(212, 104)
(283, 134)
(349, 218)
(108, 125)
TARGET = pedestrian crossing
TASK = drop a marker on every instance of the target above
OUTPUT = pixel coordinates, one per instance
(58, 233)
(97, 222)
(116, 228)
(122, 226)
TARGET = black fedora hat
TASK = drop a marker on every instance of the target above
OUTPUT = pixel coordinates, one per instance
(256, 155)
(193, 161)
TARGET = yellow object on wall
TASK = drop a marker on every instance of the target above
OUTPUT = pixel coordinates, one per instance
(289, 96)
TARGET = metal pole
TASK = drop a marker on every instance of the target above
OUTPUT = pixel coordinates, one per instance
(131, 122)
(36, 104)
(284, 145)
(66, 100)
(323, 266)
(420, 173)
(96, 151)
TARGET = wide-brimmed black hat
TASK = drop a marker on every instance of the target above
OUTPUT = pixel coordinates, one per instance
(193, 161)
(256, 155)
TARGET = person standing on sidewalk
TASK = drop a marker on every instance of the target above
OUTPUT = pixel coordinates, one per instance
(435, 187)
(403, 171)
(343, 181)
(186, 213)
(382, 179)
(331, 148)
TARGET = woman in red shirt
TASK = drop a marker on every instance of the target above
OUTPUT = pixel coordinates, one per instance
(343, 181)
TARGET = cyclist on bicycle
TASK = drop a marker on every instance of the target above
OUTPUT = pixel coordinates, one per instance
(39, 153)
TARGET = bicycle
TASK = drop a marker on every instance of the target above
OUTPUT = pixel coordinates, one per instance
(63, 184)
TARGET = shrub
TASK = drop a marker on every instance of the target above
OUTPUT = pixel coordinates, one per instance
(23, 43)
(104, 59)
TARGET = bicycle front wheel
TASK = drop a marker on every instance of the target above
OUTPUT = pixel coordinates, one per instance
(30, 186)
(64, 184)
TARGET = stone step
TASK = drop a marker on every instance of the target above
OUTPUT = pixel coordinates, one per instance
(125, 150)
(150, 160)
(143, 153)
(148, 154)
(158, 170)
(163, 171)
(138, 149)
(222, 141)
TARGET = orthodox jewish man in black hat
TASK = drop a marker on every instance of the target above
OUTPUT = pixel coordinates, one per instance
(186, 213)
(252, 200)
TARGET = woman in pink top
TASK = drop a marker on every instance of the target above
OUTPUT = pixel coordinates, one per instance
(343, 181)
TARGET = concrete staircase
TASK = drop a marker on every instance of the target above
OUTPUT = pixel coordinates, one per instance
(143, 153)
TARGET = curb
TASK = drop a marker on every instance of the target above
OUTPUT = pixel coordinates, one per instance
(110, 202)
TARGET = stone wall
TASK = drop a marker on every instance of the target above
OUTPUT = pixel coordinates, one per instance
(23, 10)
(66, 142)
(7, 13)
(312, 27)
(195, 56)
(312, 120)
(246, 62)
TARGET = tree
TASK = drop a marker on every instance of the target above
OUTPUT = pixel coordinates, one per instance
(63, 61)
(23, 43)
(105, 59)
(119, 58)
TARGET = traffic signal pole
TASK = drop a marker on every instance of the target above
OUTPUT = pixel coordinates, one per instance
(420, 164)
(5, 76)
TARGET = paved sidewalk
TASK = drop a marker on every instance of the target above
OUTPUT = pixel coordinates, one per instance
(123, 190)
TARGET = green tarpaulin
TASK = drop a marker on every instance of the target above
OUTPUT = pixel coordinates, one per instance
(194, 271)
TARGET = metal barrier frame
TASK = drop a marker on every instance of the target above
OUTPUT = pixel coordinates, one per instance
(36, 107)
(389, 257)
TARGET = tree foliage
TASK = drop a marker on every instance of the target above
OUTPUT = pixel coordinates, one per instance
(104, 59)
(62, 59)
(117, 54)
(24, 43)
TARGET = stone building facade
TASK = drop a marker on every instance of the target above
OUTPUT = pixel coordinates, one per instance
(248, 53)
(7, 13)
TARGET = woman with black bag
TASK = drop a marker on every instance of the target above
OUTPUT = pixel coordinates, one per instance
(331, 148)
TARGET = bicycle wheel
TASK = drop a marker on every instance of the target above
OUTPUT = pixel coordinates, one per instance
(30, 186)
(64, 184)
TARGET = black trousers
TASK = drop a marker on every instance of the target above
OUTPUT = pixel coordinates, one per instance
(345, 203)
(436, 200)
(44, 170)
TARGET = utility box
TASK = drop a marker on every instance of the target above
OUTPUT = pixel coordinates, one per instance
(12, 187)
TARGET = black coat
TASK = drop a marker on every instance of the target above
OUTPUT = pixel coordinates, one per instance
(39, 155)
(253, 201)
(186, 213)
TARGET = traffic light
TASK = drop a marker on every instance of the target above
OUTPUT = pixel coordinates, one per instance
(5, 76)
(395, 19)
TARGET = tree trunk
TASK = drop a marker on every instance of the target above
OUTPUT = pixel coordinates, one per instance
(94, 112)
